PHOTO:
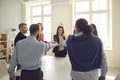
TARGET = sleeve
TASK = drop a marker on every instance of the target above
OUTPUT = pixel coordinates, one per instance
(64, 43)
(104, 67)
(13, 63)
(48, 46)
(41, 37)
(55, 38)
(15, 41)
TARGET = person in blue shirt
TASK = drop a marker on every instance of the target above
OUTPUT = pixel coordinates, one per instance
(86, 53)
(28, 54)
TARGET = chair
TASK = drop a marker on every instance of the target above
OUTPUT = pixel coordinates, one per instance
(117, 77)
(3, 70)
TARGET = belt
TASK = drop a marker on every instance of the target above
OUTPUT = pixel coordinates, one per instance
(32, 70)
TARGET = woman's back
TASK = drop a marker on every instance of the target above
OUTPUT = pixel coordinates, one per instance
(84, 52)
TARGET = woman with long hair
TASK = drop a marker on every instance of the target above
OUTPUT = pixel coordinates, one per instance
(94, 29)
(86, 53)
(59, 51)
(40, 37)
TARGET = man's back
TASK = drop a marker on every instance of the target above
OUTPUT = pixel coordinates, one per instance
(85, 52)
(29, 52)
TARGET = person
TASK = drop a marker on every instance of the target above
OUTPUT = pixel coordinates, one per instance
(23, 30)
(28, 54)
(59, 51)
(94, 29)
(86, 53)
(40, 37)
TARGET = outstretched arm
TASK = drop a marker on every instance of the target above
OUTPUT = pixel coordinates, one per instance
(48, 46)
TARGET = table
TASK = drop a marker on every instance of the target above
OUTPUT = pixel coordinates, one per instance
(56, 68)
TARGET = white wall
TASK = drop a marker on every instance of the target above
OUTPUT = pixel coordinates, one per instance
(62, 13)
(114, 55)
(10, 14)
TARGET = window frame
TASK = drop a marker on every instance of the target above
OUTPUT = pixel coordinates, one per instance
(90, 12)
(42, 16)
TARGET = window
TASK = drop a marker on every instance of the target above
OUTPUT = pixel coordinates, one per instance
(36, 11)
(42, 14)
(98, 13)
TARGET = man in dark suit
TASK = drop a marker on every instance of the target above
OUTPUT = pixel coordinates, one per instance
(23, 29)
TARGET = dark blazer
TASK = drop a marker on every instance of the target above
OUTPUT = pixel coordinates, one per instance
(19, 36)
(56, 38)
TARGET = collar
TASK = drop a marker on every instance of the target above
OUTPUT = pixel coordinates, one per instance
(32, 37)
(78, 34)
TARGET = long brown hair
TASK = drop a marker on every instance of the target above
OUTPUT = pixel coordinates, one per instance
(93, 26)
(41, 25)
(63, 33)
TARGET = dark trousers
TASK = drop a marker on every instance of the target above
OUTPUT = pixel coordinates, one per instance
(31, 74)
(60, 53)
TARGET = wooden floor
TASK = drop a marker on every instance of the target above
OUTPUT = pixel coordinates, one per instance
(59, 69)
